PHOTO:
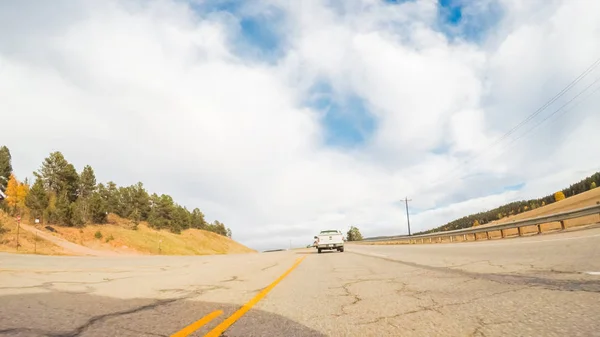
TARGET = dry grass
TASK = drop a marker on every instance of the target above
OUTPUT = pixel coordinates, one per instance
(28, 242)
(119, 236)
(581, 200)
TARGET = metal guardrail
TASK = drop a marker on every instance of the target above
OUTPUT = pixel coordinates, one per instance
(518, 224)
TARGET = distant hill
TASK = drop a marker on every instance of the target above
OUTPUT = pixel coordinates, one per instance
(117, 237)
(530, 208)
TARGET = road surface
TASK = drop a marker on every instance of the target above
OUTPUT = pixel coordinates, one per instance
(547, 285)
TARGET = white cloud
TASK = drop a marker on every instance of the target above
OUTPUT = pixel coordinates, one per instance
(153, 91)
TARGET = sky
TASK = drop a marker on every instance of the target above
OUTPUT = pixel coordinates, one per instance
(284, 118)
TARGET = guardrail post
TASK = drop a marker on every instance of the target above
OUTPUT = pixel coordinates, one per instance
(487, 235)
(502, 233)
(422, 240)
(451, 238)
(539, 228)
(562, 224)
(465, 237)
(430, 240)
(520, 231)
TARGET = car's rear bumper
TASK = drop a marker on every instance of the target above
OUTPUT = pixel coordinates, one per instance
(330, 246)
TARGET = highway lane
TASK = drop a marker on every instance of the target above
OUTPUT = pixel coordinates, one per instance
(517, 287)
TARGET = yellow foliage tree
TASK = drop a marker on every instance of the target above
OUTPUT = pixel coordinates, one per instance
(475, 223)
(15, 194)
(22, 192)
(558, 196)
(11, 192)
(592, 185)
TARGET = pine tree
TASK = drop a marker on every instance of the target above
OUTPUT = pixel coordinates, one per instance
(87, 186)
(198, 220)
(63, 210)
(59, 176)
(5, 167)
(37, 199)
(87, 182)
(97, 208)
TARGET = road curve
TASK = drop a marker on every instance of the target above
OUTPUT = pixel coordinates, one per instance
(537, 286)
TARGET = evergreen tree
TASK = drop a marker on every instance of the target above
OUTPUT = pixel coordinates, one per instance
(87, 182)
(197, 220)
(97, 208)
(59, 176)
(63, 210)
(77, 212)
(37, 199)
(87, 186)
(5, 167)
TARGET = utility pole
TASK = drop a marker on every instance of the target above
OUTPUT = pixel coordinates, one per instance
(406, 200)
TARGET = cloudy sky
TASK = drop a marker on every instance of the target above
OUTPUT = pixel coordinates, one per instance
(281, 118)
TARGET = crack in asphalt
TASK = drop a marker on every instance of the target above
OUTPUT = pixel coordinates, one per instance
(232, 279)
(79, 330)
(436, 306)
(482, 325)
(271, 266)
(103, 317)
(512, 279)
(49, 285)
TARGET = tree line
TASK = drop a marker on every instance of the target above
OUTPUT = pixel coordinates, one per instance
(517, 207)
(62, 196)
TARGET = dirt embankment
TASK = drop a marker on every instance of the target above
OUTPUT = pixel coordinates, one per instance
(118, 237)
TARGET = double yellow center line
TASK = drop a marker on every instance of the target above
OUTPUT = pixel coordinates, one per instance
(219, 329)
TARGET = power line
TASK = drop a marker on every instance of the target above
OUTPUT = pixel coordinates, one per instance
(560, 109)
(562, 112)
(533, 115)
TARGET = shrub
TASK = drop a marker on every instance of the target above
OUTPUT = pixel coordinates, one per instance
(98, 235)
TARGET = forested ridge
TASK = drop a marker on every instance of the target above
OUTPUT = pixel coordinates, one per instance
(517, 207)
(60, 195)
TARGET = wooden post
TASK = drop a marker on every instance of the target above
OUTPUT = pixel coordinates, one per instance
(502, 233)
(562, 224)
(487, 235)
(539, 228)
(520, 231)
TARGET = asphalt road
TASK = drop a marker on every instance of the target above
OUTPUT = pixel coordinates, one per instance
(546, 285)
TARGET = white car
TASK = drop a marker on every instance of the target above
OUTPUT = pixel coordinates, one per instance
(330, 240)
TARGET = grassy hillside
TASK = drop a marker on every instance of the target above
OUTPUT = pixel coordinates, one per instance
(28, 243)
(529, 208)
(118, 236)
(584, 199)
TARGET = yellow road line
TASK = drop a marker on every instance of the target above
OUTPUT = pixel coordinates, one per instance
(219, 329)
(188, 330)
